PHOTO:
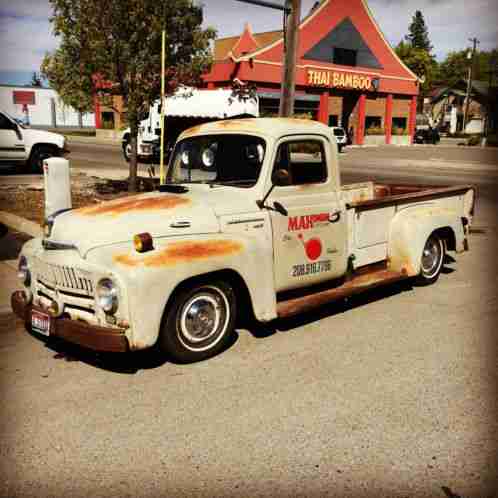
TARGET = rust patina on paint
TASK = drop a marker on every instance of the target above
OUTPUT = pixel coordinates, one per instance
(134, 203)
(182, 252)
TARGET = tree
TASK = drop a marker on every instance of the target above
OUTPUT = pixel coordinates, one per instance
(75, 88)
(114, 48)
(418, 35)
(36, 80)
(456, 64)
(420, 61)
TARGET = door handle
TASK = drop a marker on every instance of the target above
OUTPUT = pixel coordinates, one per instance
(335, 217)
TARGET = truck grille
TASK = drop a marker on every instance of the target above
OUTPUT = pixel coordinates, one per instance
(64, 277)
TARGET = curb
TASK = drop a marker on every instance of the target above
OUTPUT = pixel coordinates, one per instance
(91, 140)
(21, 224)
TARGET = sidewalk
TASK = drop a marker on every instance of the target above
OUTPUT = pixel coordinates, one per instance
(91, 140)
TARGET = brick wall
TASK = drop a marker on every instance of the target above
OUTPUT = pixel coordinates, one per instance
(335, 105)
(401, 107)
(375, 106)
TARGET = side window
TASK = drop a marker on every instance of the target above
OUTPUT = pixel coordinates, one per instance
(5, 124)
(304, 159)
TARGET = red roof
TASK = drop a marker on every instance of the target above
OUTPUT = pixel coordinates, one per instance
(326, 25)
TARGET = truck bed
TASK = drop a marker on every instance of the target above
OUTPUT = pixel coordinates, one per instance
(372, 206)
(369, 194)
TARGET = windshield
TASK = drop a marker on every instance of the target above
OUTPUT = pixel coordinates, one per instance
(15, 120)
(218, 160)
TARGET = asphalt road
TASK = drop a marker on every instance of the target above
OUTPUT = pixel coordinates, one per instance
(392, 394)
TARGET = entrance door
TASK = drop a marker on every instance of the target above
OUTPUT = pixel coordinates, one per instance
(309, 242)
(349, 102)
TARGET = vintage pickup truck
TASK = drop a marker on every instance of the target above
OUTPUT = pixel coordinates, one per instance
(252, 221)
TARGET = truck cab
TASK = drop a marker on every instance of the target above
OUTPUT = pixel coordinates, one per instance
(26, 147)
(252, 220)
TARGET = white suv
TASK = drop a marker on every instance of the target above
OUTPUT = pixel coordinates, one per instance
(25, 146)
(340, 137)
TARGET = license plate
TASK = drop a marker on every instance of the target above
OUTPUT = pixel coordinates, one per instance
(40, 322)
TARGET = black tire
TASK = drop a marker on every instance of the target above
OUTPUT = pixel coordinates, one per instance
(199, 322)
(127, 151)
(431, 261)
(39, 154)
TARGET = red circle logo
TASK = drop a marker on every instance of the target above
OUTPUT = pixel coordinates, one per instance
(313, 248)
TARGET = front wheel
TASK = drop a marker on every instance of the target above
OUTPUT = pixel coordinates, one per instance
(39, 154)
(199, 323)
(431, 261)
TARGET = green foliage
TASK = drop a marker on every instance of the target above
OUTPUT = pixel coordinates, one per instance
(456, 64)
(420, 61)
(114, 48)
(75, 88)
(418, 34)
(375, 130)
(399, 131)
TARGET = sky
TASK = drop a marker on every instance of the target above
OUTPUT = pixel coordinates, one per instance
(25, 31)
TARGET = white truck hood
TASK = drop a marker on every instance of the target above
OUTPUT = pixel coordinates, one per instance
(161, 214)
(32, 136)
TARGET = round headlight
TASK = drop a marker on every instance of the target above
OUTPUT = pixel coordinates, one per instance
(208, 158)
(23, 271)
(107, 295)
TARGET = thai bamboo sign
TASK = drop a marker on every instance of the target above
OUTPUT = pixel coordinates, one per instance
(339, 79)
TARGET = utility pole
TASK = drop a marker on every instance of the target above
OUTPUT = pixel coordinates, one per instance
(292, 14)
(475, 42)
(291, 24)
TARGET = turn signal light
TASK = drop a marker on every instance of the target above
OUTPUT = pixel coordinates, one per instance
(143, 242)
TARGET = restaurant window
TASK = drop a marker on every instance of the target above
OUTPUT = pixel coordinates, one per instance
(344, 56)
(373, 122)
(399, 123)
(108, 120)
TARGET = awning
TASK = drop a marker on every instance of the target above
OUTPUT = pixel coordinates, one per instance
(219, 103)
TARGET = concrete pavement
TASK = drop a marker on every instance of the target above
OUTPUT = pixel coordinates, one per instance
(10, 245)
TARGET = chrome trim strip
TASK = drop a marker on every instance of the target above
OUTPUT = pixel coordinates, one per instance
(250, 220)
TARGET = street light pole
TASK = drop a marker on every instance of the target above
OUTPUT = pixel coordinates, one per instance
(475, 42)
(292, 13)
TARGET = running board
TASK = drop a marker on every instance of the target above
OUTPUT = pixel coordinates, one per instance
(357, 284)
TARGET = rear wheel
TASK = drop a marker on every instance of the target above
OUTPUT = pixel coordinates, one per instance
(127, 150)
(432, 260)
(199, 323)
(38, 155)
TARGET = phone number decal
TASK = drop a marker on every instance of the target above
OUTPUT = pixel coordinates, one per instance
(311, 268)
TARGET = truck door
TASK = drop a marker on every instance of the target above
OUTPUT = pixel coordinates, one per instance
(11, 143)
(310, 242)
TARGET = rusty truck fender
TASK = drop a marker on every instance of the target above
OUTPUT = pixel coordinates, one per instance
(151, 278)
(410, 229)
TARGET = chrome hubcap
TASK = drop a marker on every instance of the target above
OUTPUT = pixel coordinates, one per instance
(201, 318)
(431, 256)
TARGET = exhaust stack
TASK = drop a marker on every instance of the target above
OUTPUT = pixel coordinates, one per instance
(57, 185)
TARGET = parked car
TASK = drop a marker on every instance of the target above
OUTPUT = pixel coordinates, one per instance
(340, 137)
(25, 147)
(269, 231)
(426, 136)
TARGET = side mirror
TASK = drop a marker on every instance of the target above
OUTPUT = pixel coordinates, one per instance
(281, 178)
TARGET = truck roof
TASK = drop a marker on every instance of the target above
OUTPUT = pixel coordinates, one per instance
(274, 127)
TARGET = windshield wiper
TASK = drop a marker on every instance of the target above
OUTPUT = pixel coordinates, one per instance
(169, 187)
(231, 182)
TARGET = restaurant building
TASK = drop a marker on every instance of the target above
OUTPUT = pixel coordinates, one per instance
(347, 73)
